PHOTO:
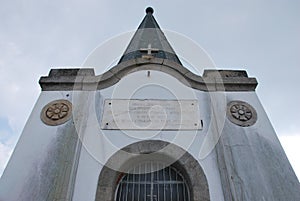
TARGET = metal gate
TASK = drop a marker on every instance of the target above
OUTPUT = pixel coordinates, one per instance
(152, 181)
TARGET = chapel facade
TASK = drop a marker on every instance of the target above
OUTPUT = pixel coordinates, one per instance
(148, 129)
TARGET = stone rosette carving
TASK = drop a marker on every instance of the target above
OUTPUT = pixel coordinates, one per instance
(56, 112)
(241, 113)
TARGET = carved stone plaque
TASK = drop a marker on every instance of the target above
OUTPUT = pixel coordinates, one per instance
(56, 112)
(136, 114)
(241, 113)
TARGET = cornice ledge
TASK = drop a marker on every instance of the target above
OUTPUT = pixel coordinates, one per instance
(85, 79)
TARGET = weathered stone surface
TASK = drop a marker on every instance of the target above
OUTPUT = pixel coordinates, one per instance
(71, 72)
(224, 73)
(51, 176)
(253, 167)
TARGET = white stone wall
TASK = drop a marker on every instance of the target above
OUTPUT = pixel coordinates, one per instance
(36, 164)
(100, 145)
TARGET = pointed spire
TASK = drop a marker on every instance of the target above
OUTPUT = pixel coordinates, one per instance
(149, 41)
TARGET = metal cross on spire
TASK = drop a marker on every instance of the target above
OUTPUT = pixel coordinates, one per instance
(149, 51)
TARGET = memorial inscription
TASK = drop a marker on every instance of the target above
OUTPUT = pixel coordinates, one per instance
(136, 114)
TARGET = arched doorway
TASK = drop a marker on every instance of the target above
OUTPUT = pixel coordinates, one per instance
(187, 169)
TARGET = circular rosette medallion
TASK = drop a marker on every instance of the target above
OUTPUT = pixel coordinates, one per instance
(241, 113)
(56, 112)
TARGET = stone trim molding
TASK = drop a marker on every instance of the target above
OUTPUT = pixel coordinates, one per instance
(85, 78)
(56, 112)
(186, 164)
(241, 113)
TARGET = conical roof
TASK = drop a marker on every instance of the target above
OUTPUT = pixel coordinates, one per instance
(149, 41)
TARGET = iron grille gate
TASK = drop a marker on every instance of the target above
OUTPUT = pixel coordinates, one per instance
(152, 181)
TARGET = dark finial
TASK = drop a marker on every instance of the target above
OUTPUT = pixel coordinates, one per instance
(149, 10)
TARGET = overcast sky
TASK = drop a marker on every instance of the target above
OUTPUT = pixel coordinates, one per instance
(260, 36)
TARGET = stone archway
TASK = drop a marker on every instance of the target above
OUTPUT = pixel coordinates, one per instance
(190, 168)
